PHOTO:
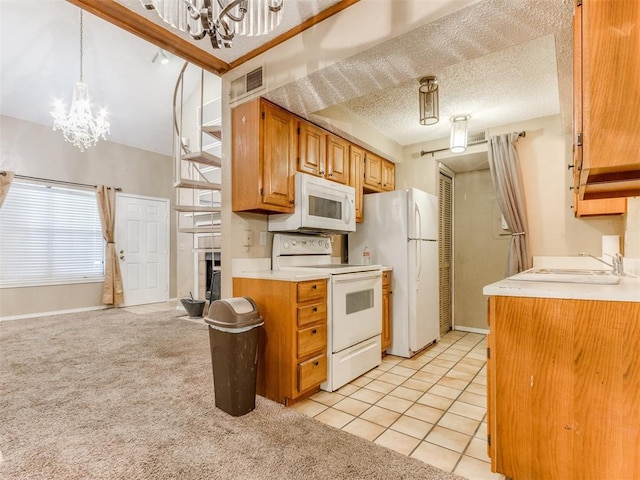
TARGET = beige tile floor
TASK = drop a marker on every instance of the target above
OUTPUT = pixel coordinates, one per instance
(431, 407)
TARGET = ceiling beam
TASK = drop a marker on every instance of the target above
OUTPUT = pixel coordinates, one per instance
(332, 10)
(122, 17)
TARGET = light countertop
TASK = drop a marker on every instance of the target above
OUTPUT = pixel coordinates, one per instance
(283, 276)
(628, 290)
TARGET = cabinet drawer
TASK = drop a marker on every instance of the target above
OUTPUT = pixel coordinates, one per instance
(386, 279)
(312, 372)
(312, 314)
(312, 290)
(312, 339)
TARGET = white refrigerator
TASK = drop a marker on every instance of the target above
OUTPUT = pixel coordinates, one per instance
(400, 229)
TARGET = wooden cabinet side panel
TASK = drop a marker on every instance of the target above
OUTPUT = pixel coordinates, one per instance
(246, 161)
(356, 177)
(276, 303)
(607, 391)
(611, 33)
(279, 143)
(577, 94)
(337, 159)
(491, 382)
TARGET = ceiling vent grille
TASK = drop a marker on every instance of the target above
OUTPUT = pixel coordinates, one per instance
(474, 138)
(246, 84)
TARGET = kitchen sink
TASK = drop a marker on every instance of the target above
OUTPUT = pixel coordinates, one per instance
(568, 275)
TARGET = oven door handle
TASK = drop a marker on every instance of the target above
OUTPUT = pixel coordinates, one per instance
(356, 277)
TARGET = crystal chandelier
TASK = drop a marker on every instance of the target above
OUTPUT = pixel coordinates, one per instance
(80, 127)
(219, 19)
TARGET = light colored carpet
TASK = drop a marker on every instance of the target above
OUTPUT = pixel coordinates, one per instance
(113, 395)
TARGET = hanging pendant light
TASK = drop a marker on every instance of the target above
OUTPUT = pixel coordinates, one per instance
(80, 127)
(458, 143)
(429, 102)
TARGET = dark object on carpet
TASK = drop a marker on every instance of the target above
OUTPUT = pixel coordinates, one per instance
(113, 395)
(194, 308)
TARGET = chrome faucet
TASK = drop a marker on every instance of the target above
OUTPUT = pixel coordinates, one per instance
(617, 262)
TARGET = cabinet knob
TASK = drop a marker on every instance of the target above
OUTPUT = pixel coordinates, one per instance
(314, 331)
(314, 287)
(316, 363)
(571, 188)
(315, 309)
(569, 167)
(291, 202)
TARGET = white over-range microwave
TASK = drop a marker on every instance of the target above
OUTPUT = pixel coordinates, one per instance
(321, 206)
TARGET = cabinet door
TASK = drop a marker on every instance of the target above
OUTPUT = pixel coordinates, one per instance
(388, 175)
(356, 177)
(279, 145)
(372, 171)
(337, 159)
(531, 392)
(311, 149)
(611, 95)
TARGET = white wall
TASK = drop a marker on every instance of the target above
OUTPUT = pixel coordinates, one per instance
(544, 155)
(36, 150)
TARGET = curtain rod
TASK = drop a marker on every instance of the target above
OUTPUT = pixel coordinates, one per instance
(424, 152)
(59, 182)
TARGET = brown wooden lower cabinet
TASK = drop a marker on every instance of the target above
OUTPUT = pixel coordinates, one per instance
(292, 361)
(564, 388)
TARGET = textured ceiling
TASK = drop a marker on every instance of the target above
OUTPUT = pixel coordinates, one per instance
(500, 61)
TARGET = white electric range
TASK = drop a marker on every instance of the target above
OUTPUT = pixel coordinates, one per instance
(354, 305)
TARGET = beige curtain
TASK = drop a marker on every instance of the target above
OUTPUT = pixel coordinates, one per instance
(505, 173)
(5, 182)
(112, 293)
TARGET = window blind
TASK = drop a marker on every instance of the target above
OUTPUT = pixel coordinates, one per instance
(50, 235)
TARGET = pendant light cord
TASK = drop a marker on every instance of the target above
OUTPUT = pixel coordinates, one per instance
(81, 32)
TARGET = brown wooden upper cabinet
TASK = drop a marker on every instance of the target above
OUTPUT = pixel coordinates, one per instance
(263, 158)
(322, 154)
(606, 98)
(379, 174)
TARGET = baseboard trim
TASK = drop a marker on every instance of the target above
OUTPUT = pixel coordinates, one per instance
(483, 331)
(48, 314)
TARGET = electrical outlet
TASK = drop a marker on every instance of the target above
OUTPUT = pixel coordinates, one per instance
(263, 238)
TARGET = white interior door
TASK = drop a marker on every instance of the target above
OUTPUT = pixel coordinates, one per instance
(142, 245)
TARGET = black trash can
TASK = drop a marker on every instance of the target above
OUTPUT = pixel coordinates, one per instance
(234, 331)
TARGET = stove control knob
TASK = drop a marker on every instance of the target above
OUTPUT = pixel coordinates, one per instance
(294, 242)
(313, 243)
(327, 245)
(285, 245)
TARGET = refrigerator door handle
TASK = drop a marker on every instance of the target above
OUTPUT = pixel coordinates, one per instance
(419, 258)
(419, 236)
